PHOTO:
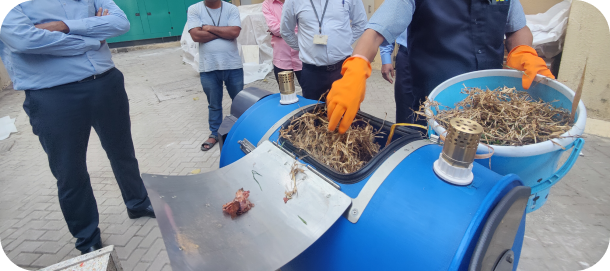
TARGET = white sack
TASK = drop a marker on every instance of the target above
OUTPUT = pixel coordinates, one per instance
(253, 32)
(7, 126)
(190, 48)
(549, 29)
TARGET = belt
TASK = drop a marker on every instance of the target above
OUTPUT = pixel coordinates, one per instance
(332, 67)
(97, 76)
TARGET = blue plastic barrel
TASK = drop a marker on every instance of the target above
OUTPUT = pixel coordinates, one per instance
(536, 164)
(414, 221)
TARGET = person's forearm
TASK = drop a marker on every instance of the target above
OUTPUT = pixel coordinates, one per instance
(109, 22)
(21, 36)
(288, 23)
(290, 38)
(522, 36)
(368, 44)
(202, 36)
(272, 22)
(225, 32)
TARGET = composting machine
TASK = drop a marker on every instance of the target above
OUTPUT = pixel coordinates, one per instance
(399, 212)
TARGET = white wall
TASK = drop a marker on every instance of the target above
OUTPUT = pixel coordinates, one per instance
(587, 42)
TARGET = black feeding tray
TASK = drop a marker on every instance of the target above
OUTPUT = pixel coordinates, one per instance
(402, 136)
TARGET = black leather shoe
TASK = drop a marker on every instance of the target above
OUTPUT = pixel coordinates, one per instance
(146, 212)
(94, 247)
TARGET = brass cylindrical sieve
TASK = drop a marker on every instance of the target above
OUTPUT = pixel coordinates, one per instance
(286, 82)
(463, 136)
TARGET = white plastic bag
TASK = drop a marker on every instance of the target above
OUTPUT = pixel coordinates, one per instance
(549, 29)
(253, 32)
(190, 48)
(7, 126)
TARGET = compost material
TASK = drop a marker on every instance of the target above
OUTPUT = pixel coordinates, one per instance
(344, 153)
(509, 117)
(240, 205)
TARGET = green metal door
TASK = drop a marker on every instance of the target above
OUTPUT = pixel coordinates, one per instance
(178, 12)
(132, 10)
(158, 15)
(153, 18)
(188, 3)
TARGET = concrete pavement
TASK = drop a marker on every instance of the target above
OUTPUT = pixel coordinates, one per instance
(169, 123)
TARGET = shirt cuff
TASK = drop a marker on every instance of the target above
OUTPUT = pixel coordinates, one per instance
(386, 59)
(77, 27)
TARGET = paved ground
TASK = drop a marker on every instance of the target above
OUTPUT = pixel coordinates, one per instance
(168, 112)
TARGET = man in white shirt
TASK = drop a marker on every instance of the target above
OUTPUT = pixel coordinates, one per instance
(327, 30)
(215, 25)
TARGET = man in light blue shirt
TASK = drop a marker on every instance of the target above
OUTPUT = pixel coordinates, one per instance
(403, 92)
(56, 52)
(326, 31)
(215, 25)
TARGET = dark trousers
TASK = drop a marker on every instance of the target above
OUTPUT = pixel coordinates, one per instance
(407, 98)
(212, 86)
(62, 118)
(277, 70)
(317, 80)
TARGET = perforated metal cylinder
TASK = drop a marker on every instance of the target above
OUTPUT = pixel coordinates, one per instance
(286, 82)
(463, 136)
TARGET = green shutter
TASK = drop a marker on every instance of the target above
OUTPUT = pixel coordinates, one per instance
(158, 15)
(167, 18)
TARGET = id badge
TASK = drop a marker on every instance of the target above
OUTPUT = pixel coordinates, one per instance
(320, 39)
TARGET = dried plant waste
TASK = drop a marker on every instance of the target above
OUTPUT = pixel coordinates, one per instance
(294, 171)
(509, 117)
(344, 153)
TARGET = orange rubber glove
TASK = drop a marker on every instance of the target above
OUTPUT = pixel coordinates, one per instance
(525, 58)
(347, 93)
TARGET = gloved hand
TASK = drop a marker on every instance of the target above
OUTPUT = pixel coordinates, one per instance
(525, 58)
(347, 93)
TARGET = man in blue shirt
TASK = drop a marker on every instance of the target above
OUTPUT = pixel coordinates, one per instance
(56, 52)
(403, 92)
(326, 31)
(216, 26)
(446, 39)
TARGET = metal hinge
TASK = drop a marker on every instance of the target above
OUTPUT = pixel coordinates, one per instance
(246, 146)
(329, 181)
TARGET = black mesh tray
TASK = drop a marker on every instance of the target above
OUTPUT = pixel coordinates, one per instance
(402, 136)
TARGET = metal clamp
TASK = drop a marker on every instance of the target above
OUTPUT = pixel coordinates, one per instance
(371, 186)
(246, 146)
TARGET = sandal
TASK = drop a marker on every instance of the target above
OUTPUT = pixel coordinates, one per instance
(206, 146)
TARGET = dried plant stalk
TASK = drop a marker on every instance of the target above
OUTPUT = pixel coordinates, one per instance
(344, 153)
(294, 171)
(509, 117)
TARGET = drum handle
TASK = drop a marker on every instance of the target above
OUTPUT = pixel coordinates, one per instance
(576, 146)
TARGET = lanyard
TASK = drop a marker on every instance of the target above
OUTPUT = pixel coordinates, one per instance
(219, 16)
(316, 12)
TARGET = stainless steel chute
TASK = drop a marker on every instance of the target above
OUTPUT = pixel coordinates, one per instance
(199, 236)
